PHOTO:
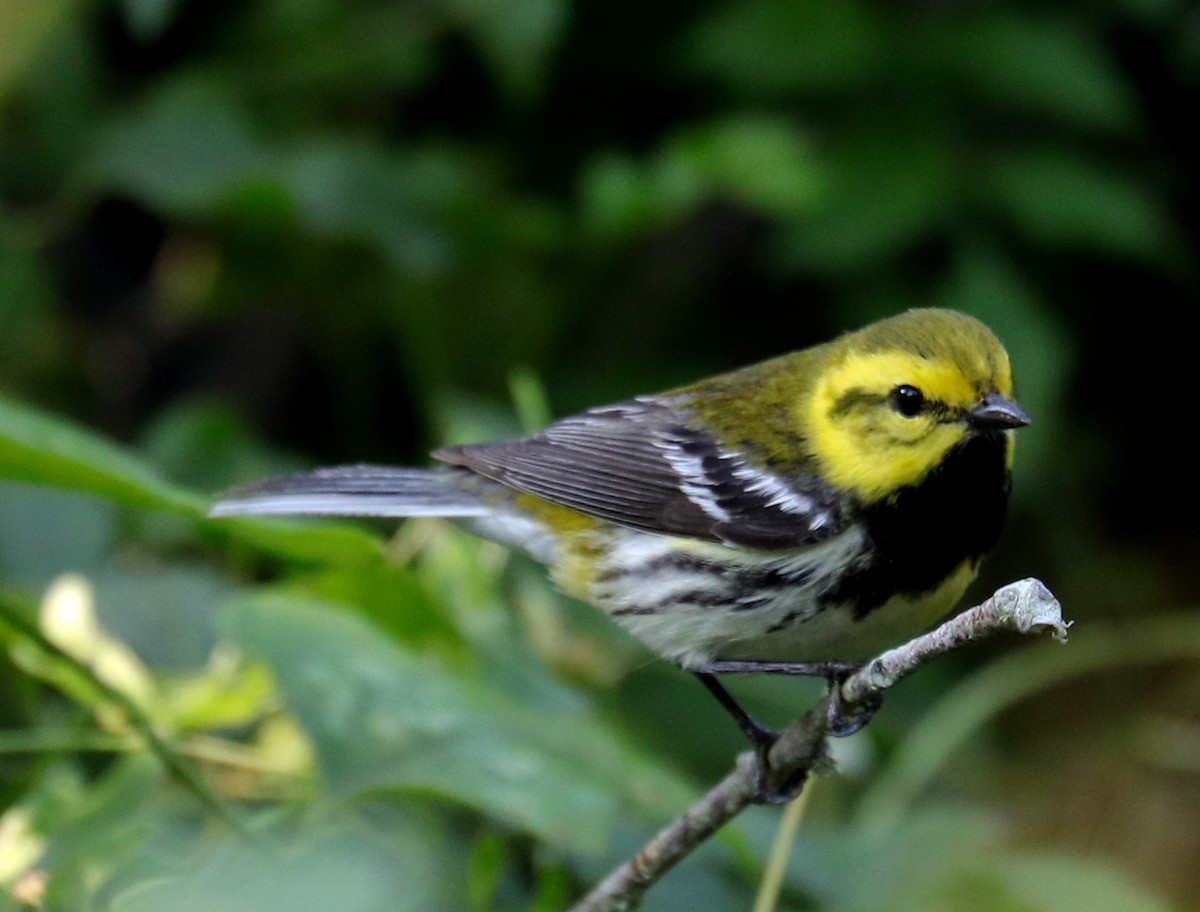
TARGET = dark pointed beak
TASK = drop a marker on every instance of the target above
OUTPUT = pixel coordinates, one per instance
(996, 413)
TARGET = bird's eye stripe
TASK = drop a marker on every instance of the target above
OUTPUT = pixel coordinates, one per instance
(852, 399)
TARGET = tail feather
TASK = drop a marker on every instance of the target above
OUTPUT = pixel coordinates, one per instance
(357, 490)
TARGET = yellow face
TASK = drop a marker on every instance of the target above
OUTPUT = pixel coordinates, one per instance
(881, 419)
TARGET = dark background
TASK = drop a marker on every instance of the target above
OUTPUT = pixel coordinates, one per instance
(243, 237)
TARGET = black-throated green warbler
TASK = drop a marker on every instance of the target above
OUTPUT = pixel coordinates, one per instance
(814, 508)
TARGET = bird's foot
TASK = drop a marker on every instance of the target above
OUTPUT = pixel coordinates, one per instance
(766, 789)
(844, 720)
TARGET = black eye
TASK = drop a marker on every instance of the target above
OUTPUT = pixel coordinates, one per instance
(907, 400)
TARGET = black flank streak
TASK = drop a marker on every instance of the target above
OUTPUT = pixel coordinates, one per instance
(743, 578)
(680, 561)
(697, 598)
(742, 589)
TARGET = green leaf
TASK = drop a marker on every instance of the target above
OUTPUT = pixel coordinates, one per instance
(163, 612)
(401, 864)
(192, 151)
(759, 161)
(316, 542)
(92, 826)
(383, 718)
(517, 37)
(150, 19)
(885, 187)
(44, 532)
(1059, 198)
(205, 445)
(39, 448)
(622, 196)
(1043, 65)
(777, 47)
(397, 202)
(23, 27)
(764, 162)
(944, 859)
(376, 589)
(26, 303)
(1060, 882)
(36, 447)
(487, 866)
(187, 151)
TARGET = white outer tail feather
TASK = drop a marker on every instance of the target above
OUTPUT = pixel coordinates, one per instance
(357, 490)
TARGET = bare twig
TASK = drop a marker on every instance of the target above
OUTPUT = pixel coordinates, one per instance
(1025, 607)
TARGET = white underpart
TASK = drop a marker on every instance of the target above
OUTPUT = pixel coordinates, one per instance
(695, 633)
(518, 530)
(639, 549)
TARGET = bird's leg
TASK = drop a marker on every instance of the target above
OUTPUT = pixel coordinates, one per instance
(841, 722)
(756, 733)
(759, 735)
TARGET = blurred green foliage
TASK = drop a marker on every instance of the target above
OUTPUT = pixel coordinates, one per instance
(237, 239)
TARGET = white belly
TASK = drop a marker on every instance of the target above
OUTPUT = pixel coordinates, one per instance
(693, 601)
(694, 614)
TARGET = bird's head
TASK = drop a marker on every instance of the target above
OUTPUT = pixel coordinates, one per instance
(891, 400)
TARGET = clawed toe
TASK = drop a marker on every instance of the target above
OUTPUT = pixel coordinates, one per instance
(763, 739)
(767, 792)
(842, 720)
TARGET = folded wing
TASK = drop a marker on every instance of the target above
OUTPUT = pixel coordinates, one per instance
(641, 463)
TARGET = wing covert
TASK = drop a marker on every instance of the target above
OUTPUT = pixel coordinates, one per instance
(640, 463)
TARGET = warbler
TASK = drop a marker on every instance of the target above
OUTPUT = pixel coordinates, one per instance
(795, 516)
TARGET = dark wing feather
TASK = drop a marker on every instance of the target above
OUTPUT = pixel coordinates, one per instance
(641, 464)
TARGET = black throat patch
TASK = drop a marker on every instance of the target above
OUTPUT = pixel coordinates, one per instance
(926, 530)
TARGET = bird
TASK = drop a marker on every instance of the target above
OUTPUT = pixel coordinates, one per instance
(795, 516)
